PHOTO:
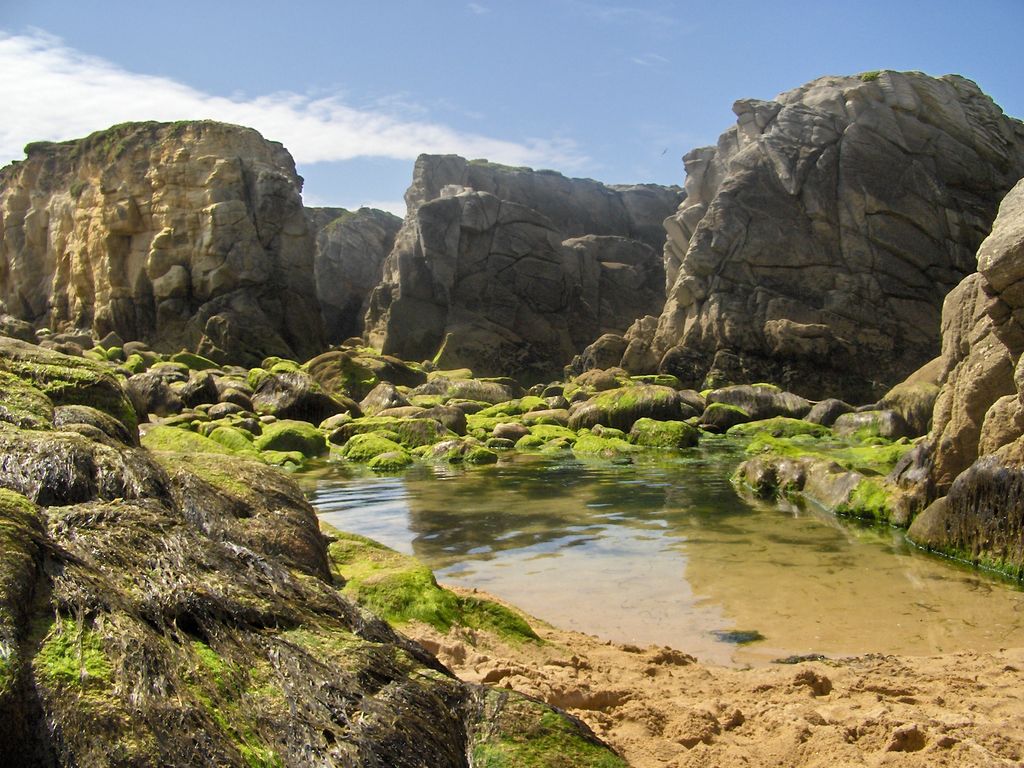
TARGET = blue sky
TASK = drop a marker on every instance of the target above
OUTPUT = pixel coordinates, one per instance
(613, 91)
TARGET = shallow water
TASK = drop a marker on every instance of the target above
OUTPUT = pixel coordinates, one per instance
(664, 551)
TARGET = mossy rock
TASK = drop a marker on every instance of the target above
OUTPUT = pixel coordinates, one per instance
(659, 379)
(193, 361)
(257, 376)
(588, 444)
(284, 459)
(867, 425)
(547, 432)
(722, 417)
(478, 422)
(238, 441)
(135, 363)
(500, 444)
(525, 733)
(400, 589)
(869, 500)
(368, 445)
(621, 407)
(530, 443)
(480, 455)
(340, 374)
(663, 434)
(390, 461)
(780, 426)
(412, 432)
(177, 440)
(21, 531)
(23, 404)
(515, 407)
(865, 459)
(67, 380)
(288, 435)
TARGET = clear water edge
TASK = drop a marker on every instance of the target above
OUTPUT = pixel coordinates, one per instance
(664, 551)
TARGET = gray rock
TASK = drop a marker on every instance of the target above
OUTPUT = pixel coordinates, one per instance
(827, 411)
(350, 250)
(820, 236)
(761, 402)
(511, 272)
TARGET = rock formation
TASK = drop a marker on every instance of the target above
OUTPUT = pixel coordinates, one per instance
(973, 458)
(185, 234)
(819, 237)
(350, 250)
(510, 271)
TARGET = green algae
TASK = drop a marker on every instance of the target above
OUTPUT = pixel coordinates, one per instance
(72, 656)
(400, 589)
(663, 434)
(368, 445)
(292, 436)
(868, 459)
(779, 426)
(193, 361)
(177, 440)
(390, 461)
(593, 445)
(525, 733)
(412, 432)
(23, 404)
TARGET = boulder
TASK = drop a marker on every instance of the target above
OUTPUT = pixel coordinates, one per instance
(297, 395)
(621, 408)
(761, 401)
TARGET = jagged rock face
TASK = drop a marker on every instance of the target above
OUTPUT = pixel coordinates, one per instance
(186, 234)
(975, 450)
(574, 206)
(983, 339)
(517, 274)
(819, 237)
(350, 250)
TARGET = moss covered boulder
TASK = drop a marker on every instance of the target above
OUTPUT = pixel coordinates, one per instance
(411, 432)
(296, 395)
(663, 434)
(67, 380)
(721, 417)
(865, 425)
(291, 435)
(621, 407)
(368, 445)
(780, 426)
(761, 401)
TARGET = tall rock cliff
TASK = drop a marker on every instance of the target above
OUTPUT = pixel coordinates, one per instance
(511, 271)
(819, 237)
(350, 250)
(973, 459)
(185, 234)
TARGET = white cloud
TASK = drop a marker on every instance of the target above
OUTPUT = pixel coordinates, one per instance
(649, 60)
(53, 92)
(478, 9)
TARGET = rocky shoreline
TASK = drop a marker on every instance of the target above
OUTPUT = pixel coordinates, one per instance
(177, 333)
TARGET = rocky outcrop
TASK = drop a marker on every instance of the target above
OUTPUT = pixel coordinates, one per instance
(511, 272)
(185, 234)
(975, 450)
(575, 207)
(177, 608)
(819, 237)
(350, 250)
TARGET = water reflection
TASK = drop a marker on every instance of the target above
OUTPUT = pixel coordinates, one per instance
(664, 551)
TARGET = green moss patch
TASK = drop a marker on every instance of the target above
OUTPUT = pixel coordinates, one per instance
(609, 447)
(400, 589)
(390, 461)
(780, 426)
(176, 440)
(412, 433)
(23, 404)
(369, 445)
(288, 435)
(524, 733)
(663, 434)
(73, 657)
(193, 361)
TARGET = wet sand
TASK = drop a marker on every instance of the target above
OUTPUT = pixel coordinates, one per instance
(661, 707)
